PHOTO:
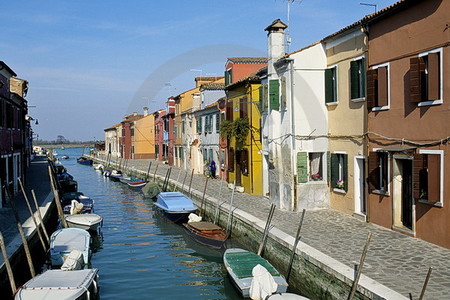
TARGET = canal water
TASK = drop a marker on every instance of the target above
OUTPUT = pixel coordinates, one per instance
(138, 253)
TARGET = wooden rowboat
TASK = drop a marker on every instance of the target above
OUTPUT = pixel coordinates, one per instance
(240, 263)
(89, 222)
(207, 233)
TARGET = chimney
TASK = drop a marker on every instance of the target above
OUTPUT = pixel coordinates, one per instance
(275, 43)
(145, 111)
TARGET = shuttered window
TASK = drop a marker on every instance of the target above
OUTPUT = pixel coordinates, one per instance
(244, 162)
(377, 87)
(339, 171)
(378, 172)
(357, 79)
(228, 77)
(199, 124)
(230, 159)
(243, 105)
(229, 112)
(302, 167)
(274, 94)
(425, 78)
(330, 85)
(283, 98)
(217, 123)
(427, 177)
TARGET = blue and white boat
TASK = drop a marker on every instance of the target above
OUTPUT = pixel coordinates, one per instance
(63, 241)
(175, 206)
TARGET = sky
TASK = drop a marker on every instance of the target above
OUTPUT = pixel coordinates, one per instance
(89, 63)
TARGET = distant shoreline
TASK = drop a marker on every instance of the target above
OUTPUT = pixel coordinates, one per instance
(59, 146)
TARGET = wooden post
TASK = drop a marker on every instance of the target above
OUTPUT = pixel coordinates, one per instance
(267, 229)
(216, 214)
(190, 183)
(27, 249)
(58, 203)
(154, 174)
(203, 198)
(166, 179)
(178, 180)
(40, 217)
(7, 264)
(231, 206)
(185, 175)
(422, 293)
(361, 263)
(32, 215)
(148, 171)
(297, 239)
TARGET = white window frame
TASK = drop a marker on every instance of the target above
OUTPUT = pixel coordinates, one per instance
(361, 99)
(441, 174)
(337, 85)
(324, 175)
(386, 191)
(341, 169)
(385, 107)
(441, 81)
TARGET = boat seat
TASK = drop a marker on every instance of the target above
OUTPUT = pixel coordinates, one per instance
(204, 226)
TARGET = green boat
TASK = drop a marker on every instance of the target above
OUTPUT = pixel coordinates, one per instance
(240, 263)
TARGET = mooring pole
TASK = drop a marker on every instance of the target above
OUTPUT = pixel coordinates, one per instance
(40, 217)
(361, 263)
(148, 171)
(178, 180)
(203, 197)
(422, 293)
(184, 180)
(190, 183)
(58, 203)
(297, 239)
(216, 214)
(231, 207)
(7, 264)
(154, 174)
(32, 215)
(266, 229)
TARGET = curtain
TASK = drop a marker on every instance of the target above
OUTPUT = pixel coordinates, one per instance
(315, 162)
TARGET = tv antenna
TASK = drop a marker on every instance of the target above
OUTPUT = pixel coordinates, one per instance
(288, 38)
(369, 4)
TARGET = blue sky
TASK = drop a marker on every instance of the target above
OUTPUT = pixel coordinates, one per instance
(89, 63)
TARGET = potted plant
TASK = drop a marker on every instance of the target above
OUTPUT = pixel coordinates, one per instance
(340, 184)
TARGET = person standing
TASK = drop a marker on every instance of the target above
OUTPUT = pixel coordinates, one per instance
(212, 169)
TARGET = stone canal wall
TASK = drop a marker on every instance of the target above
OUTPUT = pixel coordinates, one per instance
(314, 274)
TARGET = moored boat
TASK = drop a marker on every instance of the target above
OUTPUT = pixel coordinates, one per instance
(138, 184)
(84, 161)
(151, 189)
(207, 233)
(58, 284)
(175, 206)
(240, 263)
(115, 175)
(63, 241)
(90, 222)
(87, 204)
(286, 296)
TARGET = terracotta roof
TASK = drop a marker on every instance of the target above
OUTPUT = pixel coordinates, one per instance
(132, 118)
(208, 78)
(214, 104)
(248, 60)
(252, 77)
(112, 127)
(212, 86)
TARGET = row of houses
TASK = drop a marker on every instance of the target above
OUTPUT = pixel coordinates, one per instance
(356, 122)
(15, 132)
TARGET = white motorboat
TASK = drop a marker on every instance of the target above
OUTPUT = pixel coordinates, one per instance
(84, 221)
(63, 241)
(58, 284)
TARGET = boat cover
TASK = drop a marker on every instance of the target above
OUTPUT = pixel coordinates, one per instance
(74, 261)
(193, 218)
(262, 284)
(175, 202)
(68, 239)
(286, 296)
(57, 284)
(205, 226)
(76, 207)
(151, 189)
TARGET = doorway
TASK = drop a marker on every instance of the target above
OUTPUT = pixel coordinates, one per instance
(360, 187)
(403, 192)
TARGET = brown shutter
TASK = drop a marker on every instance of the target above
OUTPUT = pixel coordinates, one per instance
(382, 86)
(414, 80)
(243, 112)
(371, 92)
(418, 166)
(434, 182)
(433, 76)
(229, 112)
(374, 172)
(230, 159)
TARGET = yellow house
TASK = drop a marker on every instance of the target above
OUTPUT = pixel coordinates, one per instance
(144, 137)
(244, 159)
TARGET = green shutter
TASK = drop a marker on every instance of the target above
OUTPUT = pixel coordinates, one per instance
(354, 79)
(283, 92)
(345, 171)
(274, 94)
(334, 169)
(302, 167)
(363, 77)
(265, 96)
(261, 97)
(328, 86)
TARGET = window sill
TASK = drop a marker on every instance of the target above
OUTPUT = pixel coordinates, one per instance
(359, 99)
(316, 182)
(437, 204)
(331, 103)
(379, 108)
(429, 103)
(380, 192)
(339, 191)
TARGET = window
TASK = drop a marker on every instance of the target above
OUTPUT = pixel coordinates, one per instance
(283, 98)
(244, 162)
(243, 104)
(210, 155)
(230, 159)
(378, 88)
(428, 176)
(228, 77)
(229, 111)
(331, 85)
(274, 94)
(199, 125)
(339, 167)
(183, 127)
(379, 172)
(217, 123)
(316, 166)
(358, 79)
(426, 78)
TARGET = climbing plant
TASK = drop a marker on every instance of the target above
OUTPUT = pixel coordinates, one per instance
(226, 129)
(241, 129)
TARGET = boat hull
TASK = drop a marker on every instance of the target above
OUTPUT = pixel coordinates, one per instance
(91, 222)
(240, 263)
(175, 206)
(63, 241)
(212, 236)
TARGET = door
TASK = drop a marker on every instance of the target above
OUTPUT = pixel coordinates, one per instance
(403, 192)
(360, 187)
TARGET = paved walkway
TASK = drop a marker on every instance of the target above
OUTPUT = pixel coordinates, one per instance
(394, 260)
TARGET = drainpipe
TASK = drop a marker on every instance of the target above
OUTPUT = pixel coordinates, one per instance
(294, 157)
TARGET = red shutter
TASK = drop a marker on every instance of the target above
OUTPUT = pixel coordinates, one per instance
(372, 77)
(374, 172)
(414, 80)
(382, 86)
(418, 165)
(433, 76)
(434, 176)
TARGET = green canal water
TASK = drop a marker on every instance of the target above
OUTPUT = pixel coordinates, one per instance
(139, 254)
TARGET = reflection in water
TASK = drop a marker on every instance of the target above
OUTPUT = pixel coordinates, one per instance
(140, 255)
